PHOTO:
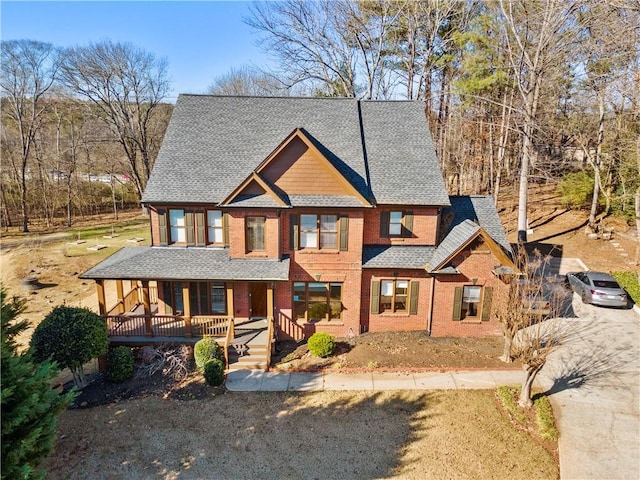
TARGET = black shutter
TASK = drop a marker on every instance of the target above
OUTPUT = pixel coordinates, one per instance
(384, 224)
(189, 227)
(407, 230)
(162, 226)
(457, 304)
(293, 231)
(375, 297)
(225, 229)
(486, 303)
(200, 229)
(344, 233)
(413, 300)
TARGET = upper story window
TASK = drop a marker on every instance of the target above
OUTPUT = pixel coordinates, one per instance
(254, 233)
(177, 226)
(396, 223)
(215, 231)
(319, 231)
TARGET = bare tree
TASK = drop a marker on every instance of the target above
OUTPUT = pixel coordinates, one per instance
(537, 36)
(29, 70)
(126, 84)
(248, 81)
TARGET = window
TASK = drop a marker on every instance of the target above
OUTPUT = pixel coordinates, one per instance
(317, 301)
(255, 234)
(393, 295)
(177, 226)
(318, 231)
(396, 224)
(172, 297)
(214, 226)
(207, 298)
(472, 302)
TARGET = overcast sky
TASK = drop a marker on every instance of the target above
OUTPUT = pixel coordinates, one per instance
(200, 39)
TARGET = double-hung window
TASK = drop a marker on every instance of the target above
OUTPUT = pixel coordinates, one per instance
(214, 227)
(254, 233)
(472, 302)
(318, 231)
(177, 226)
(396, 223)
(393, 295)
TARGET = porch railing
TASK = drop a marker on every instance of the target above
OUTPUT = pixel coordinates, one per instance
(228, 338)
(270, 339)
(168, 326)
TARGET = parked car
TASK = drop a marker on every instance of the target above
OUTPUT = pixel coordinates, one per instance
(597, 288)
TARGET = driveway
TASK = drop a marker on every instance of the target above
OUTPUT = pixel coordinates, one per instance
(594, 381)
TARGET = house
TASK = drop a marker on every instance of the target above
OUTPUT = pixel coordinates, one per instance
(289, 216)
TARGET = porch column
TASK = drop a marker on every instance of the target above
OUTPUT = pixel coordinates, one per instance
(120, 296)
(187, 309)
(147, 309)
(270, 299)
(102, 303)
(230, 308)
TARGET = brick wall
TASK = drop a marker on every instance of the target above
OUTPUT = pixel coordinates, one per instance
(425, 226)
(478, 265)
(237, 241)
(387, 322)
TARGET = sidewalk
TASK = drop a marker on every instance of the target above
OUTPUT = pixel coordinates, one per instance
(260, 381)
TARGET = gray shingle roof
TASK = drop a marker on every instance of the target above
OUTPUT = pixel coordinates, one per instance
(396, 256)
(479, 209)
(456, 237)
(173, 263)
(213, 143)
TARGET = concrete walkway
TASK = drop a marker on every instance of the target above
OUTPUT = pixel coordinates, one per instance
(260, 381)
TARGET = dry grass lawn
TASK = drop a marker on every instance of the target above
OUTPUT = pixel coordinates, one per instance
(333, 435)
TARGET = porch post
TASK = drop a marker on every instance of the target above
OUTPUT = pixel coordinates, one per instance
(270, 299)
(147, 309)
(120, 295)
(102, 303)
(187, 309)
(230, 308)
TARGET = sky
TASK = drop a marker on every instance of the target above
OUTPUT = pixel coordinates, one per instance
(200, 39)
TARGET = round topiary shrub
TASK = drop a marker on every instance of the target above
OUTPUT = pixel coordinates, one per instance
(205, 350)
(214, 372)
(120, 367)
(321, 344)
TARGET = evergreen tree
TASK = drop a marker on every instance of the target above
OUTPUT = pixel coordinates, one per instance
(29, 405)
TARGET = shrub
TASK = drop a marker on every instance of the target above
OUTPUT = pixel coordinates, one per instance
(214, 372)
(205, 350)
(321, 344)
(629, 281)
(120, 366)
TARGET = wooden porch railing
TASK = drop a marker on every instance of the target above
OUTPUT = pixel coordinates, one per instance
(270, 332)
(227, 340)
(168, 326)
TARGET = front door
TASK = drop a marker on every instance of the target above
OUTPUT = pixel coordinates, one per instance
(258, 299)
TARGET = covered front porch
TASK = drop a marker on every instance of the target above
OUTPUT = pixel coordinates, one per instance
(176, 308)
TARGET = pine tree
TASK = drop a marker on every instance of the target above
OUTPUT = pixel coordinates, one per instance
(29, 406)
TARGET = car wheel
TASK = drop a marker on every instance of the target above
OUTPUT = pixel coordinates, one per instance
(584, 297)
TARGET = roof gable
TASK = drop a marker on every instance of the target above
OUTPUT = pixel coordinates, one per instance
(254, 192)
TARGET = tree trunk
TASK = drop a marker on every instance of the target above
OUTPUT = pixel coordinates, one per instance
(506, 351)
(597, 163)
(525, 395)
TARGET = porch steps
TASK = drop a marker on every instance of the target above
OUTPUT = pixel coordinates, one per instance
(247, 357)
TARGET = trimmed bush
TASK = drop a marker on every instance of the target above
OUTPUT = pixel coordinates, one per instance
(121, 362)
(214, 372)
(321, 344)
(205, 350)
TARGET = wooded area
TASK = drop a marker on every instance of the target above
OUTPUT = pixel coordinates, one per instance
(515, 92)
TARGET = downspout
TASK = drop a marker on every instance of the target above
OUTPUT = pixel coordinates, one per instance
(430, 319)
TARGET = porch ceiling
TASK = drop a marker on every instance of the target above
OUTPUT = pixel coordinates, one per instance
(175, 263)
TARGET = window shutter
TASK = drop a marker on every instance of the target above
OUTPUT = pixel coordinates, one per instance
(189, 227)
(293, 232)
(162, 226)
(167, 298)
(413, 300)
(457, 304)
(375, 297)
(344, 233)
(486, 303)
(384, 224)
(200, 229)
(225, 229)
(407, 224)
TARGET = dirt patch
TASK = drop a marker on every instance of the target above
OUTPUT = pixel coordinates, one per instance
(333, 435)
(397, 351)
